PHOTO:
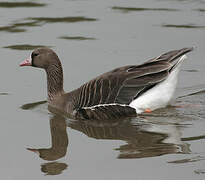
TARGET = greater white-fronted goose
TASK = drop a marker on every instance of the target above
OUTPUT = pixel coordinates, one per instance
(124, 91)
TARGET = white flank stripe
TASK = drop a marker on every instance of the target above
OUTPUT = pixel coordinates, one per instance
(103, 105)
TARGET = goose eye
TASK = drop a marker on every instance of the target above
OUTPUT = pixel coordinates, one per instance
(34, 55)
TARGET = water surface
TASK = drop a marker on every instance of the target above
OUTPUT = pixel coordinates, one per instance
(92, 37)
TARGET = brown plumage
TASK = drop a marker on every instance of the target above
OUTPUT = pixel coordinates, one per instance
(108, 95)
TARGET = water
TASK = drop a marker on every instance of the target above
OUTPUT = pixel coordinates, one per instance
(92, 37)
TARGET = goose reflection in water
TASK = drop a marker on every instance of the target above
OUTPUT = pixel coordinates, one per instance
(59, 139)
(142, 138)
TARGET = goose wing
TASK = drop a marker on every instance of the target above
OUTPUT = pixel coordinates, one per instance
(122, 85)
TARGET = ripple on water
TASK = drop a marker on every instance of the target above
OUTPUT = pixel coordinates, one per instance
(77, 38)
(21, 4)
(71, 19)
(130, 9)
(17, 27)
(12, 29)
(191, 70)
(199, 171)
(188, 160)
(25, 47)
(187, 26)
(39, 21)
(32, 105)
(39, 107)
(26, 24)
(4, 94)
(201, 10)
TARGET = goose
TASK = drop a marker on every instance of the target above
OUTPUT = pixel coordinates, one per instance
(122, 92)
